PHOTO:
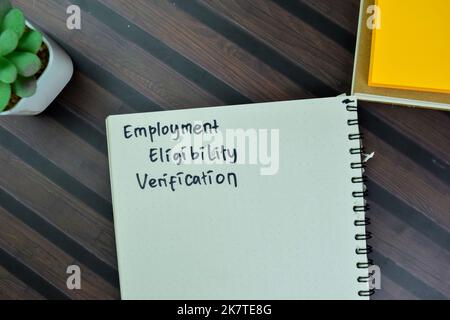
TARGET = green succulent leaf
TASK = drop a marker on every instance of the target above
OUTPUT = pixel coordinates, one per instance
(31, 41)
(8, 42)
(5, 7)
(25, 87)
(8, 71)
(27, 64)
(14, 20)
(5, 95)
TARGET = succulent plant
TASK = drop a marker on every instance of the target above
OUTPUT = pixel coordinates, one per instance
(19, 62)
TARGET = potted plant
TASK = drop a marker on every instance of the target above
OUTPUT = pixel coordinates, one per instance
(33, 68)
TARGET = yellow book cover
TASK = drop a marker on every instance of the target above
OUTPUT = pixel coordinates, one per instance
(411, 46)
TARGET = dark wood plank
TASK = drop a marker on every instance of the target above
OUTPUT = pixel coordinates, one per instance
(93, 104)
(208, 49)
(411, 250)
(428, 128)
(298, 41)
(119, 56)
(56, 206)
(12, 288)
(408, 181)
(342, 13)
(49, 261)
(392, 291)
(64, 149)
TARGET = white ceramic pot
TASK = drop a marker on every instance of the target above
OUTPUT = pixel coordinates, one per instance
(54, 78)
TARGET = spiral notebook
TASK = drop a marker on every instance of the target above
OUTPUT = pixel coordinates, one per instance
(261, 201)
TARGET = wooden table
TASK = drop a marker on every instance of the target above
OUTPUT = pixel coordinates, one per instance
(141, 55)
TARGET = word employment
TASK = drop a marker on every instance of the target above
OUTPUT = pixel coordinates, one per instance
(173, 130)
(188, 155)
(181, 179)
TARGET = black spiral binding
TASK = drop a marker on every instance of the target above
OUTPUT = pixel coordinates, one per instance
(351, 107)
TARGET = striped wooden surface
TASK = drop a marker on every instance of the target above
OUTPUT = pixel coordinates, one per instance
(142, 55)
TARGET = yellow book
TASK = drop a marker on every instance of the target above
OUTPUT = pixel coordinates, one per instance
(411, 49)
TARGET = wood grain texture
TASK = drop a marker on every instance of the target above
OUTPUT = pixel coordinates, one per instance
(392, 291)
(427, 128)
(57, 207)
(293, 38)
(119, 56)
(408, 181)
(12, 288)
(95, 104)
(136, 56)
(63, 148)
(208, 49)
(410, 249)
(37, 253)
(338, 13)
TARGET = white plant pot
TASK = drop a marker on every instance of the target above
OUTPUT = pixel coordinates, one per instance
(51, 82)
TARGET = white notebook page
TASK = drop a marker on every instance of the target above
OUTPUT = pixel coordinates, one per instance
(238, 233)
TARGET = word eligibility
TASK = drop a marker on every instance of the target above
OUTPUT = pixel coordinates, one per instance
(208, 154)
